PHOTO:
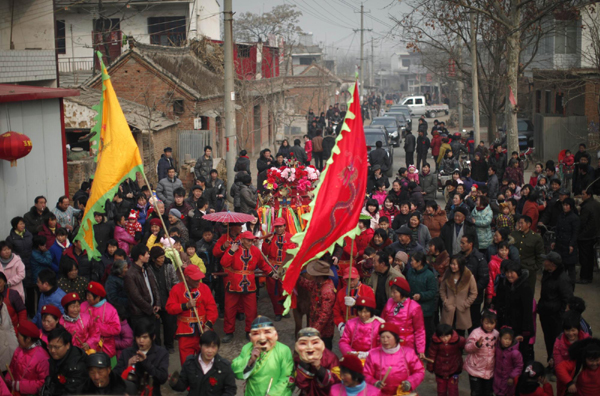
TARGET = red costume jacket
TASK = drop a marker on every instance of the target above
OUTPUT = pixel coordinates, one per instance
(339, 309)
(275, 250)
(322, 301)
(240, 266)
(307, 379)
(205, 306)
(218, 250)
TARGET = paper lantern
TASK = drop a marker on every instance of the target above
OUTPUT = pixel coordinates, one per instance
(14, 145)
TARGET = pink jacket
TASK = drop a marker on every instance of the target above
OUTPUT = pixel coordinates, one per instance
(480, 362)
(359, 336)
(124, 339)
(107, 321)
(405, 366)
(561, 347)
(340, 390)
(30, 368)
(509, 364)
(410, 321)
(83, 330)
(15, 273)
(124, 239)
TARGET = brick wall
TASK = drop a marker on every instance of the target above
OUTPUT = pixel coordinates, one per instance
(79, 171)
(592, 92)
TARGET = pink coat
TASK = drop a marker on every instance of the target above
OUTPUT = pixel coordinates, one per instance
(561, 347)
(83, 330)
(124, 239)
(480, 362)
(340, 390)
(405, 366)
(359, 336)
(124, 339)
(30, 368)
(410, 321)
(108, 323)
(15, 273)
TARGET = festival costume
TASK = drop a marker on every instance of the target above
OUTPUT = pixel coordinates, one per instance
(83, 329)
(409, 318)
(219, 250)
(359, 336)
(240, 283)
(188, 332)
(339, 309)
(322, 300)
(340, 390)
(405, 366)
(106, 320)
(277, 364)
(275, 252)
(313, 383)
(30, 367)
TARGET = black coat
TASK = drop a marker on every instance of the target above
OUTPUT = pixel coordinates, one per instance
(409, 142)
(555, 293)
(567, 229)
(193, 377)
(156, 365)
(479, 170)
(198, 225)
(478, 265)
(380, 157)
(423, 145)
(299, 154)
(22, 245)
(514, 305)
(328, 145)
(116, 386)
(590, 220)
(447, 232)
(164, 164)
(263, 163)
(73, 368)
(242, 164)
(34, 221)
(102, 233)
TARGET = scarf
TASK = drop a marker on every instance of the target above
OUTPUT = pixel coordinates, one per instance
(5, 262)
(355, 390)
(100, 303)
(391, 351)
(398, 307)
(35, 344)
(69, 319)
(20, 233)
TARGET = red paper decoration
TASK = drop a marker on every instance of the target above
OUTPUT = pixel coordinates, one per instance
(14, 145)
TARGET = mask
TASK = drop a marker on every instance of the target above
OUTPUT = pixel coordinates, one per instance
(310, 349)
(264, 338)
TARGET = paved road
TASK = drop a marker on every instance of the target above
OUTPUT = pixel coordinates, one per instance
(286, 327)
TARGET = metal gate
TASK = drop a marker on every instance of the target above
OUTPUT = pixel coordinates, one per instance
(193, 143)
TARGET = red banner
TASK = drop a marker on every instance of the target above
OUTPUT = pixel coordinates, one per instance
(339, 197)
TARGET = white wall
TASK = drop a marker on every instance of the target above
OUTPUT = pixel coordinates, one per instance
(39, 173)
(33, 24)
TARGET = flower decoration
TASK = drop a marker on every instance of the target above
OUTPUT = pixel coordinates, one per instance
(212, 381)
(62, 379)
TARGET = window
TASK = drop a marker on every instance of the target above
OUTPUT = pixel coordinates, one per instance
(60, 37)
(418, 101)
(405, 62)
(243, 51)
(178, 106)
(167, 31)
(548, 102)
(201, 123)
(565, 38)
(306, 61)
(408, 102)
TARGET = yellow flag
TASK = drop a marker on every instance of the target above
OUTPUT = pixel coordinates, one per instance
(118, 159)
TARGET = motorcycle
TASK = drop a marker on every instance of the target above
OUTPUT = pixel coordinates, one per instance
(527, 157)
(442, 178)
(465, 162)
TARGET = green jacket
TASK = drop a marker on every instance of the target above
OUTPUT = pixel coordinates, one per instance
(531, 248)
(424, 283)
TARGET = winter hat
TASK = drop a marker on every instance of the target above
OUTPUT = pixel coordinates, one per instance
(155, 222)
(132, 215)
(51, 310)
(352, 363)
(391, 327)
(69, 298)
(156, 252)
(97, 289)
(175, 212)
(401, 283)
(28, 329)
(402, 256)
(366, 301)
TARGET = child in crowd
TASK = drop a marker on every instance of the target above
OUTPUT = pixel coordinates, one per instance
(41, 257)
(509, 363)
(494, 270)
(372, 209)
(533, 382)
(481, 355)
(571, 333)
(577, 304)
(133, 225)
(579, 374)
(445, 353)
(413, 174)
(389, 210)
(384, 224)
(380, 194)
(61, 243)
(190, 250)
(568, 166)
(505, 219)
(542, 189)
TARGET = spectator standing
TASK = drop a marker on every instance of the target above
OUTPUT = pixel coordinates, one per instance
(567, 229)
(166, 277)
(409, 147)
(436, 143)
(204, 164)
(141, 287)
(458, 291)
(13, 268)
(477, 264)
(167, 186)
(298, 153)
(423, 145)
(65, 213)
(166, 161)
(531, 248)
(34, 219)
(588, 235)
(50, 294)
(317, 143)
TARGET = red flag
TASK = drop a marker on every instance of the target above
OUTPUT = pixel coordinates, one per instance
(339, 198)
(511, 97)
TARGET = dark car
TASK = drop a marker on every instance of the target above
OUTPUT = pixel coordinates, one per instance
(525, 128)
(372, 136)
(393, 127)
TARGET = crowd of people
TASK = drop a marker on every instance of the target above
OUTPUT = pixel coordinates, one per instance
(429, 284)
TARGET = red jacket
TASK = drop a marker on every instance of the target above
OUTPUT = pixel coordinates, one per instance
(436, 143)
(306, 375)
(360, 243)
(205, 306)
(15, 307)
(532, 209)
(447, 357)
(218, 250)
(339, 309)
(587, 381)
(322, 301)
(274, 250)
(240, 266)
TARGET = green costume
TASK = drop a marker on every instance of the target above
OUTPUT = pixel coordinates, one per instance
(277, 364)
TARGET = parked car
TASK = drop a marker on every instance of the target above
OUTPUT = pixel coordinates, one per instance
(393, 127)
(401, 109)
(418, 106)
(525, 128)
(375, 134)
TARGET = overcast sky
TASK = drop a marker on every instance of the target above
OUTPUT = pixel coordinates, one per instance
(332, 21)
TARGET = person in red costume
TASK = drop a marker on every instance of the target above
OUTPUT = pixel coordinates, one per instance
(345, 304)
(314, 364)
(353, 379)
(226, 240)
(274, 247)
(239, 262)
(181, 304)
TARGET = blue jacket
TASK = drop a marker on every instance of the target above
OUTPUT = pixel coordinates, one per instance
(52, 299)
(40, 261)
(56, 251)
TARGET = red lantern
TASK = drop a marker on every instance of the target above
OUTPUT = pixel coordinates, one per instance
(14, 145)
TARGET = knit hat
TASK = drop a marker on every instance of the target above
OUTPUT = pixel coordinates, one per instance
(97, 289)
(132, 215)
(156, 252)
(155, 222)
(402, 256)
(175, 212)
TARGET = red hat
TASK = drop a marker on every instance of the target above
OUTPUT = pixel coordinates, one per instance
(280, 221)
(247, 235)
(51, 310)
(367, 301)
(193, 272)
(28, 329)
(401, 283)
(352, 363)
(132, 215)
(391, 327)
(352, 274)
(155, 221)
(97, 289)
(69, 298)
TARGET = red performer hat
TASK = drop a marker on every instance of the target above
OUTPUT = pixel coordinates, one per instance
(391, 327)
(367, 301)
(401, 283)
(97, 289)
(193, 272)
(69, 298)
(352, 274)
(280, 221)
(28, 329)
(352, 363)
(51, 310)
(247, 235)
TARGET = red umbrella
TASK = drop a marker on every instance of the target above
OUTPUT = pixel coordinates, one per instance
(228, 217)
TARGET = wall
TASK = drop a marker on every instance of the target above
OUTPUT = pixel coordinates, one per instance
(553, 134)
(33, 24)
(39, 173)
(26, 66)
(208, 19)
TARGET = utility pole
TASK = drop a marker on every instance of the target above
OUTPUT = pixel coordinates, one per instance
(372, 64)
(474, 80)
(229, 95)
(459, 86)
(362, 31)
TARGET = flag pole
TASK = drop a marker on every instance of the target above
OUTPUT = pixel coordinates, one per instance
(177, 258)
(349, 279)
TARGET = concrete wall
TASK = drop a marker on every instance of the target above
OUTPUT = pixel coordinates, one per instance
(39, 173)
(32, 27)
(553, 134)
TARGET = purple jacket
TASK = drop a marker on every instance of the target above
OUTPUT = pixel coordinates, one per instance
(509, 363)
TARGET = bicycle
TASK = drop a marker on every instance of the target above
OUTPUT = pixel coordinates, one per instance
(548, 236)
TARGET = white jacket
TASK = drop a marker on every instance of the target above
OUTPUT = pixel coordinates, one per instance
(8, 338)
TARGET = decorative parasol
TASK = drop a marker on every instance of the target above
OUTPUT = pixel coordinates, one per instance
(228, 217)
